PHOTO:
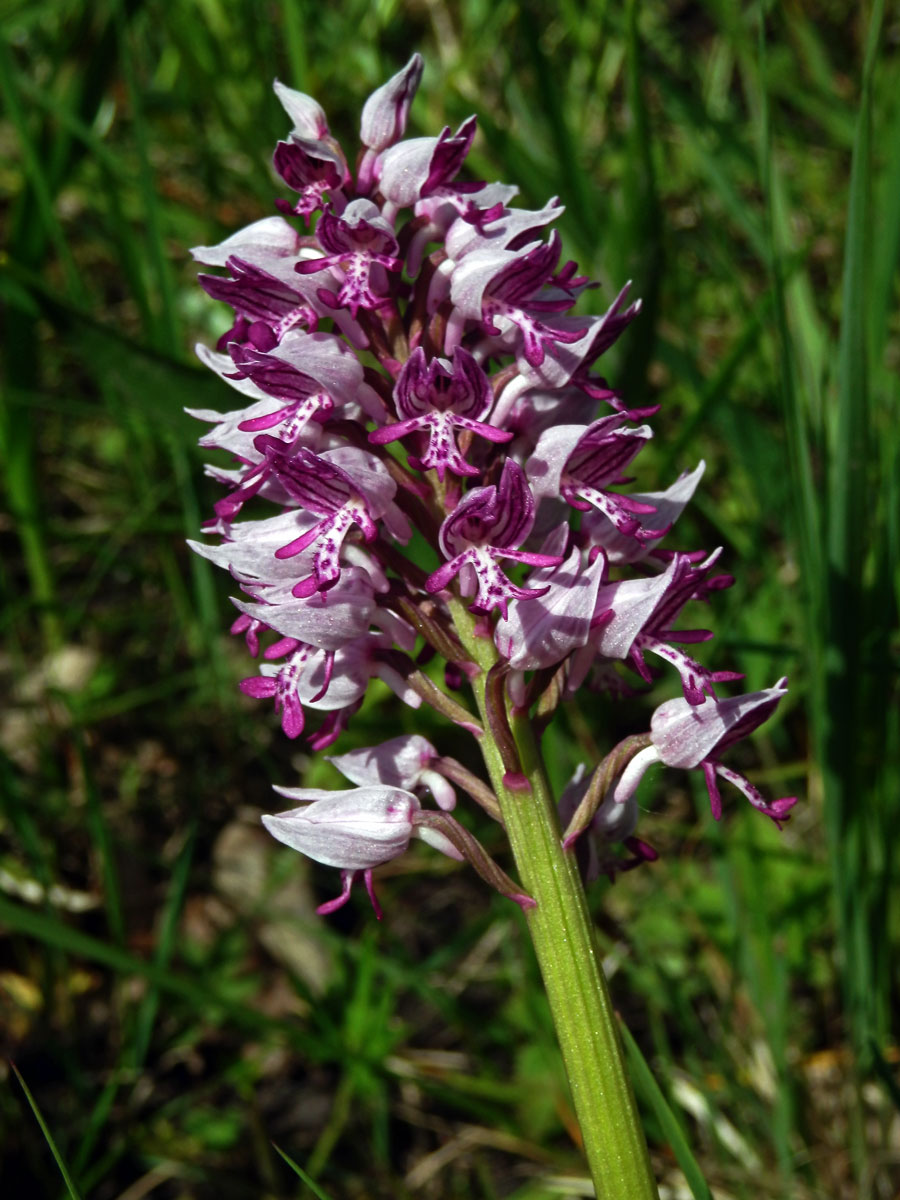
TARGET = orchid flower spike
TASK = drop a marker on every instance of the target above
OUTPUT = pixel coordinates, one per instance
(424, 460)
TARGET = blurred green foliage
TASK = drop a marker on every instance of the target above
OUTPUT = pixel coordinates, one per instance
(167, 992)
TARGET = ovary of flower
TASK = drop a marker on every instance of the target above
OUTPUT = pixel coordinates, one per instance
(610, 824)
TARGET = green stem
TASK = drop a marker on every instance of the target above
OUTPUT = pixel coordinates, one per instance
(563, 936)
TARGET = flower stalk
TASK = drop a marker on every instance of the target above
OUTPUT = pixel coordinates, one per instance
(562, 934)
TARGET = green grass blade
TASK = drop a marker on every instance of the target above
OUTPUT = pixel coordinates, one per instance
(48, 1137)
(887, 234)
(643, 227)
(300, 1173)
(42, 188)
(551, 106)
(164, 334)
(114, 174)
(804, 490)
(296, 44)
(847, 494)
(849, 504)
(103, 842)
(165, 944)
(652, 1095)
(717, 149)
(134, 1056)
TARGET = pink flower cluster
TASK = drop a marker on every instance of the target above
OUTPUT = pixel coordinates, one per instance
(413, 382)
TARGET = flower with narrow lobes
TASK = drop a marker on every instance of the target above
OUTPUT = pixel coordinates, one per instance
(487, 524)
(410, 373)
(580, 464)
(360, 244)
(686, 735)
(439, 397)
(428, 486)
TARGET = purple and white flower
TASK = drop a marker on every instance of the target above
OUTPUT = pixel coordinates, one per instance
(488, 524)
(438, 398)
(355, 830)
(689, 736)
(404, 762)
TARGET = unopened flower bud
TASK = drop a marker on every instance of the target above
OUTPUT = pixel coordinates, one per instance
(355, 830)
(384, 113)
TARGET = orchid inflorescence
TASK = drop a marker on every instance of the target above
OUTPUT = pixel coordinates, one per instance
(410, 364)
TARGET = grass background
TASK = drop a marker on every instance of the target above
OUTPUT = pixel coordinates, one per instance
(167, 993)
